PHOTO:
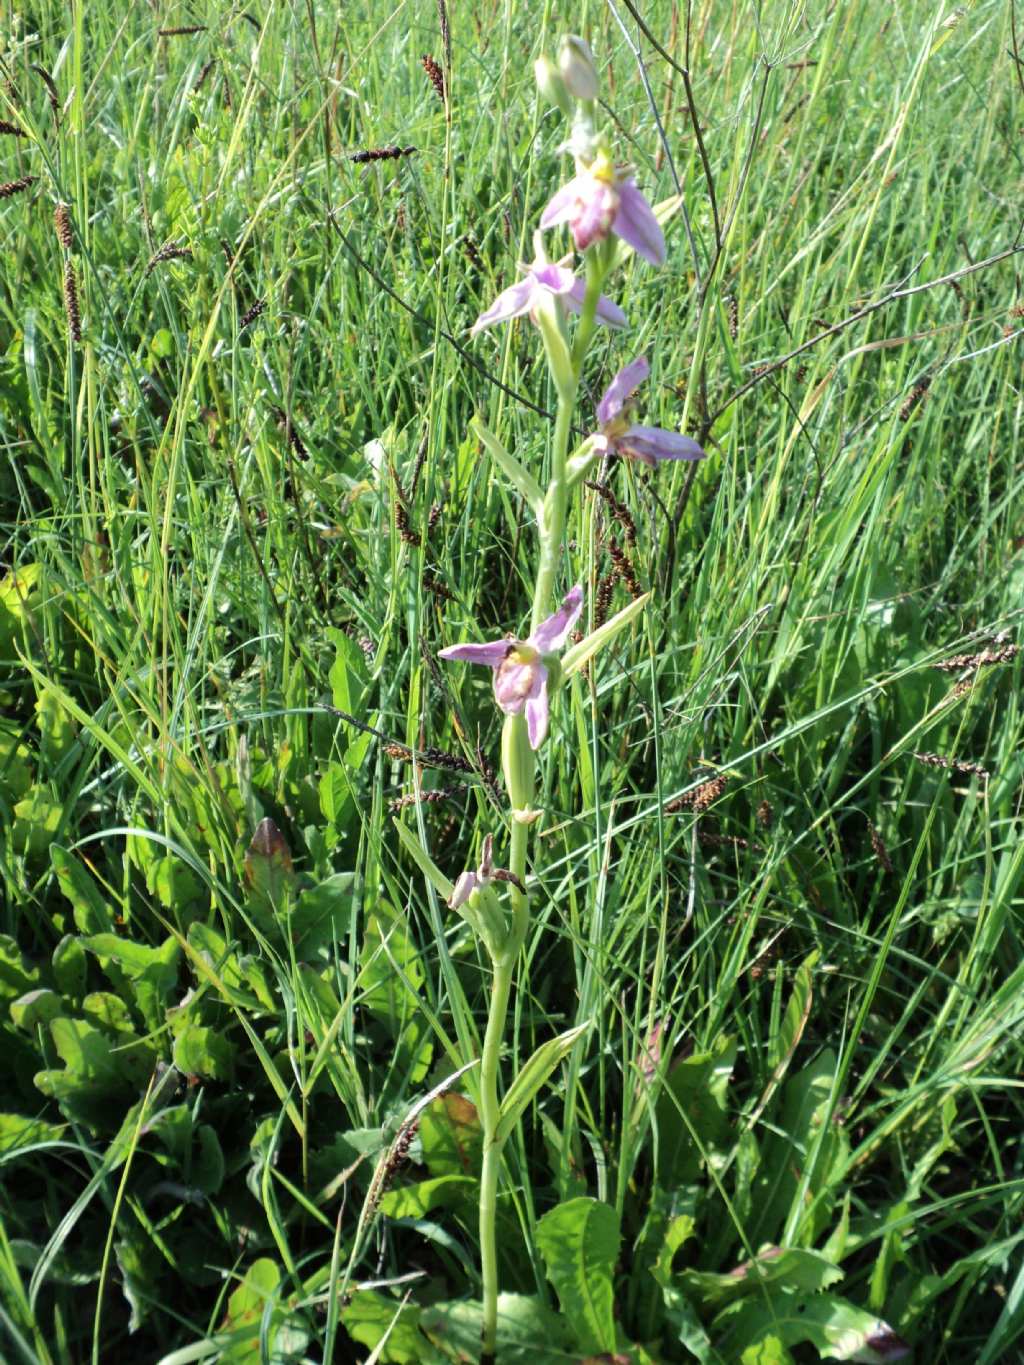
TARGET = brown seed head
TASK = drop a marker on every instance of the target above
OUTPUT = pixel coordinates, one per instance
(435, 74)
(71, 308)
(62, 224)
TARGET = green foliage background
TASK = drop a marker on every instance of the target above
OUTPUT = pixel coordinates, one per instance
(804, 1000)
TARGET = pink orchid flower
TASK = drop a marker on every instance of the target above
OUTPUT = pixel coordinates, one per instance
(620, 437)
(520, 673)
(542, 279)
(601, 199)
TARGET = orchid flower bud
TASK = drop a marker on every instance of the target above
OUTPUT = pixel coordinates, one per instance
(576, 63)
(552, 86)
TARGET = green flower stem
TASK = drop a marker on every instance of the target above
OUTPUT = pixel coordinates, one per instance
(489, 1111)
(552, 529)
(518, 763)
(588, 318)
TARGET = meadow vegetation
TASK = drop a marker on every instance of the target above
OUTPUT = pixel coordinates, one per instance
(778, 878)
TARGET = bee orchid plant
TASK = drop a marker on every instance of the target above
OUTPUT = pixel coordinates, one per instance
(604, 209)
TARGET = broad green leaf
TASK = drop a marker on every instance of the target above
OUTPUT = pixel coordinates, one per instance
(37, 817)
(322, 915)
(268, 866)
(243, 979)
(415, 1201)
(837, 1329)
(532, 1076)
(153, 972)
(574, 659)
(376, 1321)
(56, 726)
(680, 1230)
(798, 1135)
(579, 1241)
(91, 911)
(208, 1167)
(20, 594)
(451, 1138)
(174, 884)
(768, 1351)
(529, 1333)
(348, 676)
(141, 1277)
(200, 1051)
(389, 961)
(70, 966)
(15, 766)
(691, 1115)
(521, 479)
(109, 1011)
(18, 1131)
(35, 1009)
(792, 1267)
(98, 1080)
(17, 975)
(244, 1320)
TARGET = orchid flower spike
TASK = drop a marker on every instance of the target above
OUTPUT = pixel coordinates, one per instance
(521, 666)
(551, 280)
(618, 436)
(601, 199)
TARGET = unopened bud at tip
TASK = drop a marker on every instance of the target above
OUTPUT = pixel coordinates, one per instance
(576, 63)
(551, 85)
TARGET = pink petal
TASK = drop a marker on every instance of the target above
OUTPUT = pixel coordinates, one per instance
(537, 712)
(562, 204)
(551, 634)
(595, 213)
(636, 224)
(555, 278)
(514, 682)
(510, 303)
(607, 312)
(653, 443)
(622, 387)
(490, 654)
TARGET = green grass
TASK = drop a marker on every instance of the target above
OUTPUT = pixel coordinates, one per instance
(805, 1002)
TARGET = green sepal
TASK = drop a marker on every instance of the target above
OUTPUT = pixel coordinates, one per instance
(520, 478)
(580, 464)
(573, 659)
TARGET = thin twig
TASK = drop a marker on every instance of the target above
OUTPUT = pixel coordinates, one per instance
(634, 47)
(748, 161)
(470, 359)
(894, 294)
(1018, 61)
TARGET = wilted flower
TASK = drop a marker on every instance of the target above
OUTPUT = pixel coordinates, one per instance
(520, 670)
(601, 199)
(470, 881)
(619, 436)
(546, 281)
